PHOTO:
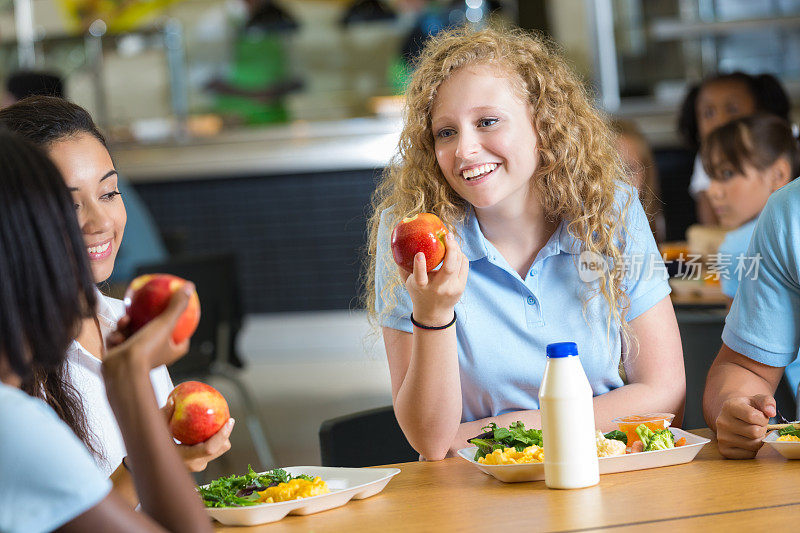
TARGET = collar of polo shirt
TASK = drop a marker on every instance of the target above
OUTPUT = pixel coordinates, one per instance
(474, 244)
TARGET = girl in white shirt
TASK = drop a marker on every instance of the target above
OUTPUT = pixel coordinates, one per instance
(78, 149)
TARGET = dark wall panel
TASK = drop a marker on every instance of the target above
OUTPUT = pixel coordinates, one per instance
(298, 239)
(674, 172)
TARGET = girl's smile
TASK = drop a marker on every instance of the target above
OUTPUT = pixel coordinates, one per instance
(475, 174)
(101, 251)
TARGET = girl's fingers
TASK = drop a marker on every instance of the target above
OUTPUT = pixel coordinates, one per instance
(420, 270)
(118, 336)
(452, 256)
(168, 409)
(114, 339)
(123, 322)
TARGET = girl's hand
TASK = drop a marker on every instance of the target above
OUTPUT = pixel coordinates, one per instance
(197, 457)
(152, 345)
(435, 294)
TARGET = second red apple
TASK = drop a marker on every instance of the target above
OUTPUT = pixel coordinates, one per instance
(424, 233)
(200, 411)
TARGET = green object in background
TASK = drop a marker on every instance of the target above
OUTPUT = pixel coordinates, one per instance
(399, 75)
(259, 62)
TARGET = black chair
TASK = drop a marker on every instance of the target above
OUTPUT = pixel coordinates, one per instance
(213, 347)
(701, 332)
(366, 438)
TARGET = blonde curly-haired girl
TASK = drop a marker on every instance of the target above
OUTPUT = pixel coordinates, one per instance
(502, 143)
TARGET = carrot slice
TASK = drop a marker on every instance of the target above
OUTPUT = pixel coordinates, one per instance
(681, 441)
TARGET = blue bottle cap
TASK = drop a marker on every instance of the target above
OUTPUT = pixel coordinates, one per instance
(562, 349)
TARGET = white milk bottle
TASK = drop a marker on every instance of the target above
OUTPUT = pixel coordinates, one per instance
(568, 434)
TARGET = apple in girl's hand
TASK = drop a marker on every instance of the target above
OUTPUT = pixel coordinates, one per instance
(424, 233)
(200, 411)
(148, 295)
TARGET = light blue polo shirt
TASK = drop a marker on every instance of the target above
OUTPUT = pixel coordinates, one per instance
(733, 252)
(505, 321)
(47, 476)
(733, 248)
(764, 321)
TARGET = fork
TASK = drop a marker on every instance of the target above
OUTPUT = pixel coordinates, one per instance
(783, 422)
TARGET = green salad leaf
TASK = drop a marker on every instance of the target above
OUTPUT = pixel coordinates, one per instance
(514, 436)
(617, 435)
(240, 491)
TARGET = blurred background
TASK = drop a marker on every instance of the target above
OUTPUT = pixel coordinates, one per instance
(251, 132)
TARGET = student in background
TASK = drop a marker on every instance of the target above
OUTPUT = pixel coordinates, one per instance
(49, 480)
(716, 101)
(641, 167)
(747, 160)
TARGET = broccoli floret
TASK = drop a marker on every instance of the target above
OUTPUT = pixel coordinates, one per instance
(658, 440)
(645, 433)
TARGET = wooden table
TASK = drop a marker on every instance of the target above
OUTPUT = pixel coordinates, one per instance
(710, 493)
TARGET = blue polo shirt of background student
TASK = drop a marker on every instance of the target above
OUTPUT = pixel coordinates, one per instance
(734, 249)
(734, 262)
(505, 321)
(764, 320)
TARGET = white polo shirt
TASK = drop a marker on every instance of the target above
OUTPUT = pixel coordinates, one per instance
(84, 371)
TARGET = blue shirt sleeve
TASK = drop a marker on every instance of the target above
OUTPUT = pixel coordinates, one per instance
(764, 320)
(646, 279)
(47, 475)
(393, 306)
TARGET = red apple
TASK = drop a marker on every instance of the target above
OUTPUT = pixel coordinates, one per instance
(200, 411)
(424, 233)
(147, 297)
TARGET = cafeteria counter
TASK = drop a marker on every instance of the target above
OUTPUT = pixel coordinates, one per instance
(295, 148)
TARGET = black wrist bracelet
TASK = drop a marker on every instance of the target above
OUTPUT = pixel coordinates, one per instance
(423, 326)
(125, 464)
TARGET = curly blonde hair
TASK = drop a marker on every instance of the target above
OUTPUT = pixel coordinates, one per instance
(578, 171)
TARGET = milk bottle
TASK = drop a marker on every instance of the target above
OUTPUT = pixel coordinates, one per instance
(568, 434)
